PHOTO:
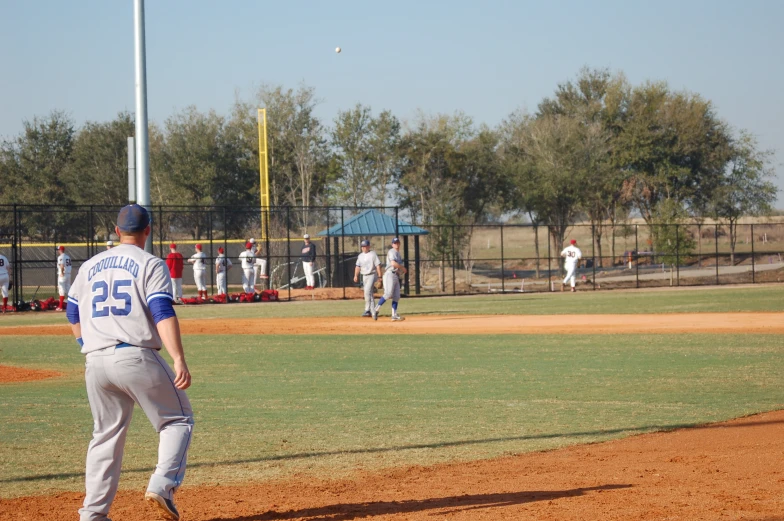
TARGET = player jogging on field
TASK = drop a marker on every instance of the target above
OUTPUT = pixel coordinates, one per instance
(5, 279)
(308, 261)
(222, 266)
(199, 271)
(247, 259)
(392, 274)
(120, 310)
(572, 256)
(175, 263)
(63, 276)
(369, 267)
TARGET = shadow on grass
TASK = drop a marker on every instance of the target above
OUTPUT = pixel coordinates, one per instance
(399, 448)
(348, 511)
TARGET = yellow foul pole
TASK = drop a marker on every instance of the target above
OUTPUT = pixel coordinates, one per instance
(264, 173)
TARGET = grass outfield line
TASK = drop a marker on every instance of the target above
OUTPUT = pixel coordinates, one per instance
(710, 299)
(269, 407)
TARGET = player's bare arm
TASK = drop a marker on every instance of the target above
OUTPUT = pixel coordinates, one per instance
(169, 329)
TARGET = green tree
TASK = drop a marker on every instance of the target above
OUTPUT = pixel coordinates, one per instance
(745, 188)
(354, 183)
(384, 153)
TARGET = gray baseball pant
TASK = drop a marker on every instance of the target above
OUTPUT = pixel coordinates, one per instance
(117, 378)
(367, 285)
(391, 286)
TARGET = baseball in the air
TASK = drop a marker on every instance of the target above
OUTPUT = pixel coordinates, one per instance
(337, 50)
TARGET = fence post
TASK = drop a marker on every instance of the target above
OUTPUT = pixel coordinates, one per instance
(18, 291)
(328, 253)
(637, 255)
(716, 240)
(288, 249)
(417, 286)
(226, 248)
(677, 255)
(503, 278)
(454, 287)
(406, 280)
(341, 265)
(212, 257)
(549, 254)
(397, 225)
(160, 230)
(753, 268)
(90, 233)
(593, 255)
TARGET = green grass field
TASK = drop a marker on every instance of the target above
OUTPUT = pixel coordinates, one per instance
(269, 407)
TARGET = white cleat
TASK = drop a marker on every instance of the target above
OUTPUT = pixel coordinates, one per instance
(375, 312)
(397, 318)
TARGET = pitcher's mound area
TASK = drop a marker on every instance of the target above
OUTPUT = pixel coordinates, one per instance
(10, 374)
(731, 470)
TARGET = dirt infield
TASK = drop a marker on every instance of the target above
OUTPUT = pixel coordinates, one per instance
(729, 470)
(466, 324)
(9, 374)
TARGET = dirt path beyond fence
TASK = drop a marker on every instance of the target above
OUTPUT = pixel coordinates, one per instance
(467, 324)
(730, 470)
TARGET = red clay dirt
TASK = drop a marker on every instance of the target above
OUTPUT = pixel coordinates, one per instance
(730, 470)
(10, 374)
(467, 324)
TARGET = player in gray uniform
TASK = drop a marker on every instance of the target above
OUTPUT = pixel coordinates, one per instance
(392, 274)
(120, 310)
(369, 267)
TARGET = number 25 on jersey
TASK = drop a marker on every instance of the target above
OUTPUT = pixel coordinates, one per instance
(118, 294)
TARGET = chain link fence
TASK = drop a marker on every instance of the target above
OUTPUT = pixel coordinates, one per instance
(441, 259)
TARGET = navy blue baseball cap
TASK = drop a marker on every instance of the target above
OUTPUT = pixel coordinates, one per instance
(133, 218)
(395, 240)
(365, 243)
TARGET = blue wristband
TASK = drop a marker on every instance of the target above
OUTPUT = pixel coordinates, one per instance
(80, 342)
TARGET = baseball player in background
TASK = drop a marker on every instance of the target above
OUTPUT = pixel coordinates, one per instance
(392, 272)
(175, 263)
(199, 271)
(572, 256)
(369, 267)
(63, 276)
(5, 279)
(248, 260)
(120, 310)
(308, 261)
(222, 266)
(109, 245)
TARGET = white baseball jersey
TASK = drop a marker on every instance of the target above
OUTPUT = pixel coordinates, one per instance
(248, 259)
(393, 255)
(572, 254)
(113, 291)
(367, 262)
(222, 263)
(198, 259)
(3, 265)
(64, 260)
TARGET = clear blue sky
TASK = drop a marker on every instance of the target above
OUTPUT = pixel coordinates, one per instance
(484, 58)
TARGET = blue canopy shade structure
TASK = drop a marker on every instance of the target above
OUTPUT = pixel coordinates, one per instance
(372, 223)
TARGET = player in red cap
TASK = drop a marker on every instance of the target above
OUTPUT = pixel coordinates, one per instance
(198, 260)
(572, 256)
(222, 266)
(63, 276)
(248, 260)
(174, 262)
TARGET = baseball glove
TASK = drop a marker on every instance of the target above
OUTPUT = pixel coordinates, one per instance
(379, 284)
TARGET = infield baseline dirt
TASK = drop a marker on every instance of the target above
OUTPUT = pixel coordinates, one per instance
(730, 471)
(467, 324)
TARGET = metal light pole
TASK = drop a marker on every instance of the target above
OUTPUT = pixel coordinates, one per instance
(142, 139)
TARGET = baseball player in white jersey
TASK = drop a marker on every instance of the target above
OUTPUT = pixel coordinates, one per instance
(260, 266)
(369, 267)
(248, 260)
(392, 272)
(120, 310)
(63, 276)
(5, 279)
(199, 271)
(572, 256)
(222, 266)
